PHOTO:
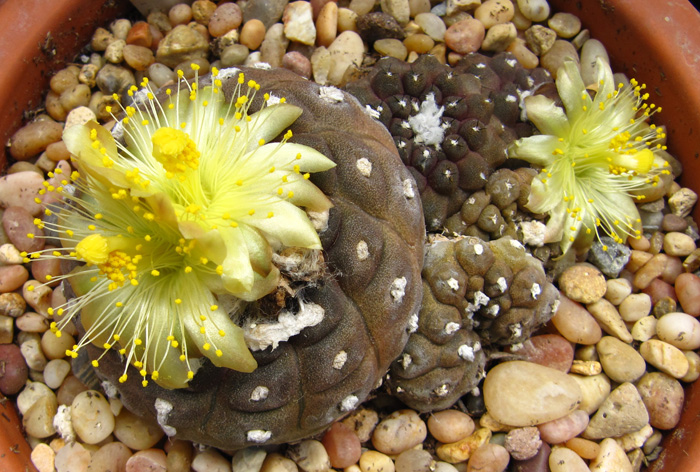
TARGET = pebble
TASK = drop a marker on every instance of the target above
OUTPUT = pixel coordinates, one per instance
(64, 79)
(252, 34)
(663, 397)
(494, 12)
(114, 79)
(586, 367)
(362, 421)
(6, 329)
(100, 40)
(534, 10)
(120, 28)
(20, 190)
(150, 460)
(297, 63)
(38, 419)
(9, 255)
(72, 457)
(465, 36)
(327, 24)
(565, 24)
(575, 323)
(693, 366)
(489, 458)
(111, 457)
(91, 416)
(414, 460)
(583, 283)
(226, 17)
(12, 277)
(160, 74)
(594, 390)
(343, 445)
(401, 430)
(310, 456)
(560, 51)
(210, 460)
(524, 56)
(274, 45)
(621, 413)
(398, 9)
(644, 329)
(182, 43)
(462, 450)
(609, 256)
(43, 458)
(234, 55)
(55, 372)
(78, 116)
(612, 458)
(391, 47)
(499, 37)
(249, 459)
(585, 448)
(550, 350)
(678, 244)
(687, 289)
(114, 54)
(276, 462)
(419, 43)
(635, 307)
(180, 14)
(682, 202)
(617, 290)
(374, 461)
(135, 432)
(32, 352)
(654, 268)
(54, 346)
(432, 25)
(299, 24)
(450, 426)
(563, 459)
(140, 35)
(561, 430)
(34, 137)
(680, 330)
(346, 50)
(609, 319)
(38, 298)
(347, 20)
(520, 393)
(13, 369)
(665, 357)
(138, 57)
(620, 361)
(523, 443)
(636, 439)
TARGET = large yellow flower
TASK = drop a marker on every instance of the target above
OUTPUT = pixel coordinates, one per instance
(596, 156)
(189, 203)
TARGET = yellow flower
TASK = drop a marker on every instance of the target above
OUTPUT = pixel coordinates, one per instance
(596, 157)
(187, 204)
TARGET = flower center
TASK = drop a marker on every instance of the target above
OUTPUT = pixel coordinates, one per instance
(175, 150)
(93, 249)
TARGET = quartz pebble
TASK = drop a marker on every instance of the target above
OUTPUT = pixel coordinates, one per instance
(151, 460)
(635, 307)
(612, 458)
(34, 137)
(665, 357)
(489, 458)
(72, 457)
(55, 372)
(621, 413)
(520, 393)
(594, 390)
(693, 366)
(135, 432)
(346, 50)
(343, 445)
(252, 34)
(566, 25)
(391, 47)
(563, 459)
(310, 456)
(92, 419)
(583, 283)
(585, 448)
(560, 51)
(609, 319)
(374, 461)
(432, 25)
(534, 10)
(592, 51)
(465, 36)
(663, 397)
(449, 426)
(226, 17)
(620, 361)
(644, 329)
(363, 422)
(210, 460)
(399, 431)
(249, 459)
(561, 430)
(38, 419)
(43, 458)
(680, 330)
(494, 12)
(575, 323)
(111, 457)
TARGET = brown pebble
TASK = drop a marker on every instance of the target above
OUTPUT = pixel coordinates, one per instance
(226, 17)
(297, 63)
(420, 43)
(327, 24)
(342, 445)
(583, 283)
(12, 277)
(673, 222)
(550, 350)
(18, 224)
(651, 270)
(575, 323)
(687, 289)
(57, 151)
(202, 10)
(663, 397)
(180, 14)
(585, 448)
(13, 369)
(489, 458)
(450, 426)
(33, 138)
(523, 443)
(138, 57)
(252, 34)
(140, 35)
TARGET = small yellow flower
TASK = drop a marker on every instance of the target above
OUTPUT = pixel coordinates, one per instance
(597, 155)
(181, 209)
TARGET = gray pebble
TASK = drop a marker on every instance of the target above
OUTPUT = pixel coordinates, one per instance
(611, 261)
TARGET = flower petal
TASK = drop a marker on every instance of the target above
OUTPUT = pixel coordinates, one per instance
(549, 118)
(572, 90)
(537, 150)
(92, 161)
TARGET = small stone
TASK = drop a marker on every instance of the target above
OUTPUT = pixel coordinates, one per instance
(100, 40)
(347, 50)
(419, 43)
(234, 55)
(621, 413)
(226, 17)
(252, 34)
(524, 56)
(494, 12)
(678, 244)
(663, 397)
(374, 461)
(682, 202)
(138, 57)
(274, 45)
(687, 289)
(563, 429)
(586, 367)
(182, 43)
(202, 11)
(115, 51)
(665, 357)
(450, 426)
(13, 369)
(521, 393)
(560, 51)
(363, 422)
(432, 25)
(114, 79)
(594, 390)
(140, 35)
(297, 63)
(151, 460)
(635, 307)
(609, 319)
(620, 361)
(79, 116)
(38, 419)
(414, 460)
(523, 443)
(644, 329)
(299, 23)
(499, 37)
(377, 25)
(465, 36)
(391, 47)
(534, 10)
(91, 417)
(136, 433)
(55, 372)
(549, 350)
(160, 74)
(43, 458)
(398, 9)
(210, 460)
(112, 456)
(583, 283)
(327, 24)
(488, 458)
(609, 256)
(32, 352)
(72, 457)
(462, 450)
(566, 25)
(399, 431)
(680, 330)
(320, 65)
(612, 458)
(563, 459)
(585, 448)
(342, 444)
(310, 456)
(34, 137)
(276, 462)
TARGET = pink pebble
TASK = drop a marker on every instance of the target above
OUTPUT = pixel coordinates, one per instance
(148, 460)
(226, 17)
(659, 289)
(549, 350)
(342, 445)
(465, 36)
(13, 369)
(12, 277)
(561, 430)
(688, 293)
(297, 63)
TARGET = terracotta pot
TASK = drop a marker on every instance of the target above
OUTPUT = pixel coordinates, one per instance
(657, 42)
